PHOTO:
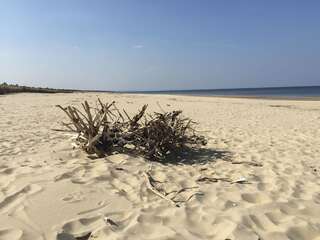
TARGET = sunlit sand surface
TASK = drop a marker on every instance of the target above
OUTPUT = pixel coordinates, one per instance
(269, 150)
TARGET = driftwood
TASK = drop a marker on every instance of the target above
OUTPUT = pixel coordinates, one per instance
(255, 164)
(151, 187)
(212, 179)
(150, 182)
(241, 180)
(104, 130)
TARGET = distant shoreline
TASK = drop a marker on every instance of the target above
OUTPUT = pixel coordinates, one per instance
(288, 93)
(186, 95)
(315, 98)
(303, 93)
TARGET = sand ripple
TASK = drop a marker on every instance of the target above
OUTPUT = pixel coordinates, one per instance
(48, 190)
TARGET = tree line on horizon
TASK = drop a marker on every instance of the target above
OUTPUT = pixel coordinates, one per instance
(6, 88)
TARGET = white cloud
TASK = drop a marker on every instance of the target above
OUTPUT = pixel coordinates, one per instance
(138, 46)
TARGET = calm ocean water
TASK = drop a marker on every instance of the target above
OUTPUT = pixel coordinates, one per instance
(287, 92)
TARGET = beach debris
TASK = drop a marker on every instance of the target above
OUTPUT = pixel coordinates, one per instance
(151, 186)
(213, 179)
(119, 168)
(254, 164)
(105, 130)
(110, 222)
(195, 194)
(241, 180)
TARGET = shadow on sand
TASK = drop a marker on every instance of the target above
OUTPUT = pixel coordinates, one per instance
(191, 156)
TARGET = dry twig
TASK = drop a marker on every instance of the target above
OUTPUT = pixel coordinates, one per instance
(150, 185)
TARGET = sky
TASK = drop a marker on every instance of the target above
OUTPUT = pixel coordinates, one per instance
(159, 44)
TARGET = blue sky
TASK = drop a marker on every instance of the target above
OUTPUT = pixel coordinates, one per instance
(160, 44)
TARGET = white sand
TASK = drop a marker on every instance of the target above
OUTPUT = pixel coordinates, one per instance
(50, 191)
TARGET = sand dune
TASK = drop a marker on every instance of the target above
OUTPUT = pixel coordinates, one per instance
(49, 190)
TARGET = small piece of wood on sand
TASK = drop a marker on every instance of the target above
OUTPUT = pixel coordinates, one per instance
(153, 189)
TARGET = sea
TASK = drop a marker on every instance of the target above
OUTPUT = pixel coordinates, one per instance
(276, 92)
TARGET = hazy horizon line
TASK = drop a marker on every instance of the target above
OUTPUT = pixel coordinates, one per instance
(168, 90)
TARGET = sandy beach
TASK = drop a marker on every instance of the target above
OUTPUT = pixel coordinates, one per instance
(264, 155)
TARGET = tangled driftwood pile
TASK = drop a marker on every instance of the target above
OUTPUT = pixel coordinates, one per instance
(105, 129)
